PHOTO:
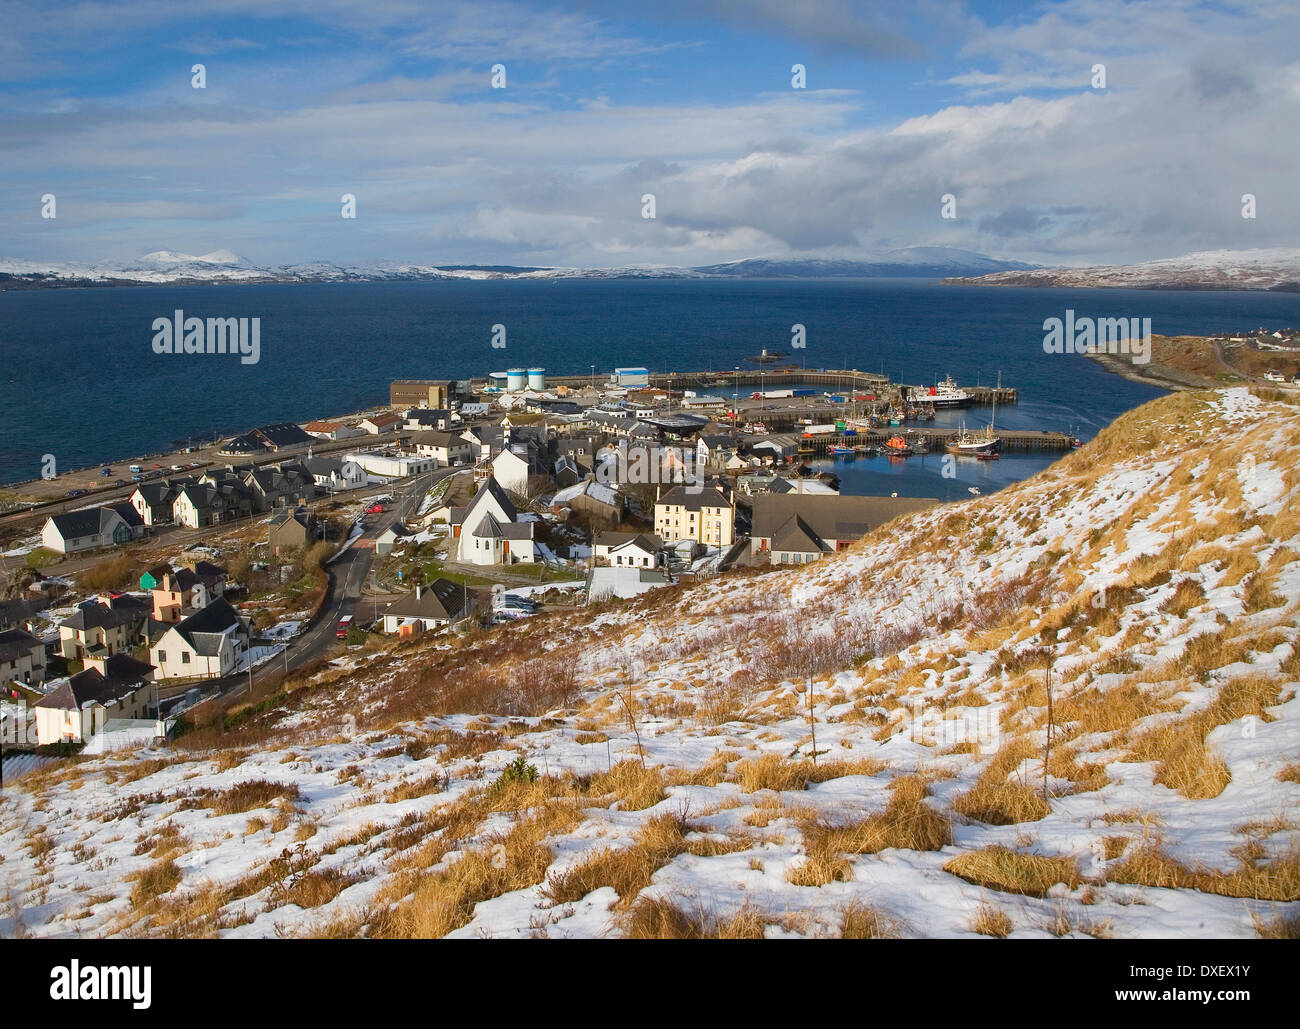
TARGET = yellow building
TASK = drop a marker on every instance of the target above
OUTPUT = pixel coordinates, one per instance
(703, 514)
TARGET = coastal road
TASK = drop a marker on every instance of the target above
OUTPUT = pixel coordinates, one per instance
(346, 579)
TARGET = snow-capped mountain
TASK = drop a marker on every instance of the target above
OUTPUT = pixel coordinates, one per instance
(1276, 268)
(167, 266)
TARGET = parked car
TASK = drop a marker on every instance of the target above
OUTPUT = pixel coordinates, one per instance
(375, 509)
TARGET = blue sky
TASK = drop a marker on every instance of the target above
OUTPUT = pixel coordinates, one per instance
(391, 101)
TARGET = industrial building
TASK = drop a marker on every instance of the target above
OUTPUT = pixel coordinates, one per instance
(421, 393)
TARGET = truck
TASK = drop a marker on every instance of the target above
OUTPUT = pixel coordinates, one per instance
(773, 394)
(345, 623)
(818, 430)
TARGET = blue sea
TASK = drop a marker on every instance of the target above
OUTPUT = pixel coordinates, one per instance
(82, 382)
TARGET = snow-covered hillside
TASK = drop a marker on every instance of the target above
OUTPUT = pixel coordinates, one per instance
(164, 266)
(688, 782)
(1275, 268)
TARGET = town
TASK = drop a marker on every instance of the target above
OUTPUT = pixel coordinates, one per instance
(477, 502)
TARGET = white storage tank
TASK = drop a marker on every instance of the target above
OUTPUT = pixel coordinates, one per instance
(537, 378)
(515, 379)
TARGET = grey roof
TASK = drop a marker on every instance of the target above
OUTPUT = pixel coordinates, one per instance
(14, 643)
(76, 524)
(491, 486)
(218, 617)
(830, 517)
(695, 498)
(435, 438)
(282, 434)
(88, 687)
(103, 616)
(442, 598)
(796, 536)
(647, 540)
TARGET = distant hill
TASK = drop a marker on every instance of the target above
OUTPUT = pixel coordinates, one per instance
(1276, 269)
(166, 267)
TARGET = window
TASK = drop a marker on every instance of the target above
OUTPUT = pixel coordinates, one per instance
(185, 657)
(162, 657)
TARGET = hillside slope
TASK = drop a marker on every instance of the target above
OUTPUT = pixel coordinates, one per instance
(1276, 268)
(678, 791)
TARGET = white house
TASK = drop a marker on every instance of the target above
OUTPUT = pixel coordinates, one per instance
(489, 531)
(329, 473)
(77, 708)
(627, 549)
(446, 448)
(85, 530)
(209, 644)
(393, 466)
(431, 607)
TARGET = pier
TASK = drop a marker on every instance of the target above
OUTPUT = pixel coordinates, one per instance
(1024, 440)
(746, 381)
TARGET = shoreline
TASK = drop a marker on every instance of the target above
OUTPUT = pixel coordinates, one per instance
(1125, 369)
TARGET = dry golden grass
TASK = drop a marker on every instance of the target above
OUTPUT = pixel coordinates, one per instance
(1186, 763)
(633, 787)
(1149, 865)
(1289, 772)
(991, 921)
(773, 772)
(860, 922)
(159, 878)
(1009, 871)
(445, 900)
(628, 870)
(652, 918)
(1281, 927)
(907, 823)
(995, 799)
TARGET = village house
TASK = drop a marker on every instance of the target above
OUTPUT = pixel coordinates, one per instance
(378, 424)
(178, 593)
(105, 626)
(435, 606)
(18, 613)
(289, 485)
(289, 530)
(208, 644)
(78, 707)
(627, 549)
(489, 531)
(332, 430)
(203, 504)
(333, 474)
(705, 514)
(281, 436)
(422, 419)
(797, 528)
(22, 657)
(389, 540)
(602, 504)
(446, 448)
(153, 500)
(85, 530)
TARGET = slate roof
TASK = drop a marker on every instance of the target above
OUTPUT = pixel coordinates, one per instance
(88, 687)
(830, 517)
(695, 499)
(215, 619)
(76, 524)
(15, 643)
(442, 598)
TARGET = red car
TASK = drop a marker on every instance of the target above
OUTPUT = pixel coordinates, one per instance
(375, 509)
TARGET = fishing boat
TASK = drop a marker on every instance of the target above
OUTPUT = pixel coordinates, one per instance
(918, 447)
(942, 394)
(985, 441)
(842, 451)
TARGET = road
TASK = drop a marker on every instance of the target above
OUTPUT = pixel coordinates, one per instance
(346, 579)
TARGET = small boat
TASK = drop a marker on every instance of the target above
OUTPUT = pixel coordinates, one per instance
(842, 451)
(974, 490)
(897, 445)
(918, 447)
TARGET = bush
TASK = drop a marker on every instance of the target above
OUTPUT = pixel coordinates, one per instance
(518, 771)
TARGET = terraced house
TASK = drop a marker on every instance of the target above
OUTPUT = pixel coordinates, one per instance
(103, 627)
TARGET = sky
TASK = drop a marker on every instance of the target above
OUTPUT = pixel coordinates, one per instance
(694, 101)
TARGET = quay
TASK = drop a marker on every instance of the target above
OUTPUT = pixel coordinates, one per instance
(1025, 440)
(746, 381)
